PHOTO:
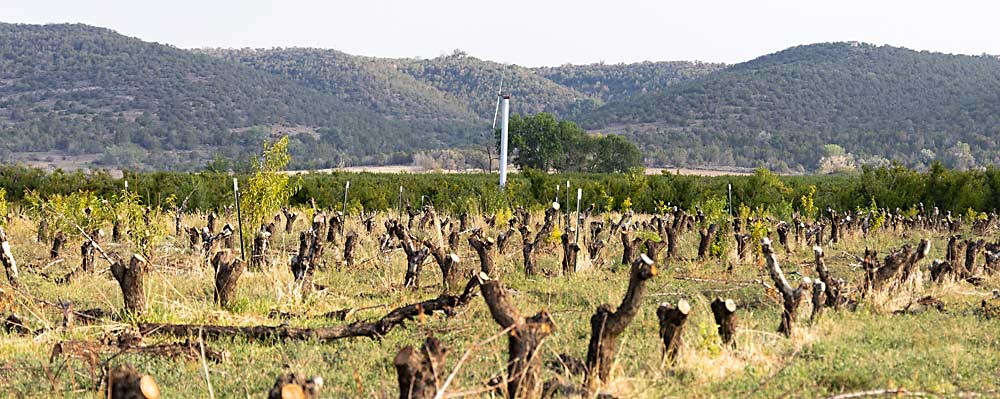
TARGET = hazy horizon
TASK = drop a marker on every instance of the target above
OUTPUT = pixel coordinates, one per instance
(537, 33)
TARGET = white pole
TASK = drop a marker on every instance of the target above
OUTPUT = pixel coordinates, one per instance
(579, 196)
(503, 141)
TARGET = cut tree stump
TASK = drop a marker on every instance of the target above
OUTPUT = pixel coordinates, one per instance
(724, 311)
(258, 253)
(448, 263)
(790, 297)
(570, 251)
(484, 249)
(419, 371)
(350, 240)
(7, 259)
(523, 340)
(629, 246)
(818, 298)
(707, 237)
(672, 319)
(124, 382)
(291, 386)
(227, 272)
(607, 325)
(130, 279)
(57, 243)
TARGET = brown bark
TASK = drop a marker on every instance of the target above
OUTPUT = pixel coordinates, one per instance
(672, 319)
(447, 304)
(898, 266)
(724, 311)
(831, 286)
(418, 371)
(707, 237)
(629, 246)
(415, 256)
(124, 382)
(7, 259)
(940, 270)
(304, 263)
(211, 222)
(530, 243)
(484, 249)
(503, 238)
(289, 219)
(606, 326)
(349, 242)
(130, 279)
(57, 243)
(227, 272)
(570, 251)
(523, 340)
(972, 250)
(782, 230)
(291, 386)
(790, 297)
(448, 264)
(818, 299)
(258, 253)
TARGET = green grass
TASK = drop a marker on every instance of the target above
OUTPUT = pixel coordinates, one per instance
(941, 354)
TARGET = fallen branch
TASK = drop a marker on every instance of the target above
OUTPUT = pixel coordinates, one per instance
(374, 330)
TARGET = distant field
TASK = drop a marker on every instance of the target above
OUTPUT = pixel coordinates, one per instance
(417, 169)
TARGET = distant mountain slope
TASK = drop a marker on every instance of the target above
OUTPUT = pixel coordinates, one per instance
(80, 95)
(611, 82)
(779, 110)
(79, 89)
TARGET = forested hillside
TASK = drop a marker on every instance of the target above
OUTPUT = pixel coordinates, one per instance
(77, 95)
(876, 103)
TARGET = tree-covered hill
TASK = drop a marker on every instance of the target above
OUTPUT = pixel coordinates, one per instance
(91, 95)
(780, 110)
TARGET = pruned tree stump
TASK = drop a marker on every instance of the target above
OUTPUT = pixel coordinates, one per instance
(724, 311)
(227, 272)
(420, 371)
(125, 382)
(291, 386)
(130, 279)
(672, 319)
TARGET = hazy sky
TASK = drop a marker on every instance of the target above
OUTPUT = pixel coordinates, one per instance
(536, 32)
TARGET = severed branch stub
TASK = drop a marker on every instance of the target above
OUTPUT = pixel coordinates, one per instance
(418, 369)
(483, 248)
(724, 311)
(130, 279)
(292, 386)
(523, 340)
(672, 320)
(791, 297)
(124, 382)
(606, 326)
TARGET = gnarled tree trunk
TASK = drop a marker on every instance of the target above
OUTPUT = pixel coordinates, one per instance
(791, 297)
(707, 237)
(606, 326)
(227, 272)
(130, 279)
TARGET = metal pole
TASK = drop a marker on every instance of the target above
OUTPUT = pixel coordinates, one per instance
(400, 209)
(558, 212)
(239, 217)
(503, 141)
(579, 196)
(347, 187)
(730, 199)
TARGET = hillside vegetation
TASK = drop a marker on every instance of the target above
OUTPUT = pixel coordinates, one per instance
(98, 98)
